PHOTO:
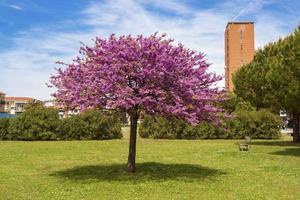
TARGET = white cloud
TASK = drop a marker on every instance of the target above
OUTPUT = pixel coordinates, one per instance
(15, 7)
(249, 7)
(169, 5)
(31, 60)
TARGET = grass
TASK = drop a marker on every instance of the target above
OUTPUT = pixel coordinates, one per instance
(166, 169)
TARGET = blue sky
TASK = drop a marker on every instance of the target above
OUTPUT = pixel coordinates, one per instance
(36, 33)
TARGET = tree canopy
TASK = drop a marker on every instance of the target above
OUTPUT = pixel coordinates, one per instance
(272, 79)
(147, 73)
(135, 74)
(250, 82)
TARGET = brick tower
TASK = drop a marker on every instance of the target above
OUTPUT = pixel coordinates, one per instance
(239, 48)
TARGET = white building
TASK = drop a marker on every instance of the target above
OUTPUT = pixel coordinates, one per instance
(16, 105)
(63, 113)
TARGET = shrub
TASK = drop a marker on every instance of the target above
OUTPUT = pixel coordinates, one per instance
(48, 135)
(159, 127)
(234, 103)
(71, 128)
(123, 117)
(36, 122)
(4, 124)
(92, 125)
(204, 130)
(42, 123)
(256, 124)
(173, 128)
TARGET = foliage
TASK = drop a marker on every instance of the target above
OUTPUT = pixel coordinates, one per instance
(123, 117)
(36, 123)
(284, 74)
(92, 125)
(173, 128)
(272, 79)
(161, 128)
(4, 124)
(260, 124)
(234, 103)
(72, 128)
(257, 124)
(42, 123)
(250, 81)
(33, 103)
(142, 73)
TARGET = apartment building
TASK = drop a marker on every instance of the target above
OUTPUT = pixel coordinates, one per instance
(62, 112)
(239, 48)
(16, 105)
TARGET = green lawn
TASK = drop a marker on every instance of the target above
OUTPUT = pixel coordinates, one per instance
(166, 169)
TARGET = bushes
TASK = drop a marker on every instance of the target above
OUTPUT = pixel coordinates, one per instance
(256, 124)
(161, 128)
(71, 128)
(4, 124)
(204, 130)
(36, 123)
(173, 128)
(92, 125)
(41, 123)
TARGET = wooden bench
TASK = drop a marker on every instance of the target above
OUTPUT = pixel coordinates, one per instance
(245, 146)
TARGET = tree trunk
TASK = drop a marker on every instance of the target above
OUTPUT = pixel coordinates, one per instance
(296, 134)
(132, 144)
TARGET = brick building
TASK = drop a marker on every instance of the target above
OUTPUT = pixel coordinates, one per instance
(239, 48)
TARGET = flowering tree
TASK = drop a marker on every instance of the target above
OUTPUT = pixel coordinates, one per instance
(136, 74)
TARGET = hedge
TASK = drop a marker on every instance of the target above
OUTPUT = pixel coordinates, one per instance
(42, 123)
(36, 123)
(172, 128)
(255, 124)
(92, 125)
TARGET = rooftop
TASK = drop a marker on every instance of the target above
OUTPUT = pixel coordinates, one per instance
(18, 99)
(245, 22)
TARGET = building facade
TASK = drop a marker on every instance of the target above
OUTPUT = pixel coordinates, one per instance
(239, 48)
(2, 102)
(62, 112)
(16, 105)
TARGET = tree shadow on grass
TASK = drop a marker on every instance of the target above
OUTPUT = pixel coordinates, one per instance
(148, 171)
(275, 143)
(288, 152)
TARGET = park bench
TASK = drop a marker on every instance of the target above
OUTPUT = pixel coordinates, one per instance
(246, 145)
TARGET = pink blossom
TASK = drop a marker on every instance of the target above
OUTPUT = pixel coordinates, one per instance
(148, 73)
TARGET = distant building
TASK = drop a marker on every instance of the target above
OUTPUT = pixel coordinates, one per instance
(239, 48)
(16, 105)
(2, 102)
(63, 112)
